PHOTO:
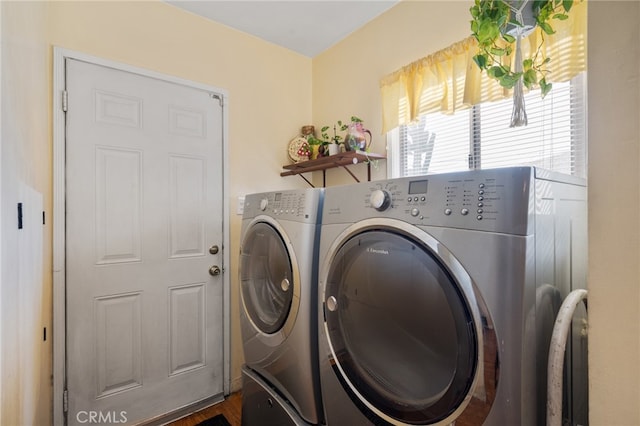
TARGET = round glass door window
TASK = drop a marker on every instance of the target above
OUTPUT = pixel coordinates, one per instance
(400, 327)
(266, 278)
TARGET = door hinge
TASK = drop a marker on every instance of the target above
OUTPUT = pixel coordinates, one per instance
(65, 401)
(65, 100)
(218, 97)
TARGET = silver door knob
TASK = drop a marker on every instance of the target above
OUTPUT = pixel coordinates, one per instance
(214, 270)
(214, 249)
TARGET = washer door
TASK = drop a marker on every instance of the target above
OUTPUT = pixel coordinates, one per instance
(404, 327)
(268, 278)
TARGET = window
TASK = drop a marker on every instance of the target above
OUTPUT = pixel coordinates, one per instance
(480, 137)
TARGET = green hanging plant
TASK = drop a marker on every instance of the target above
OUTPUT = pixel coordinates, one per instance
(495, 26)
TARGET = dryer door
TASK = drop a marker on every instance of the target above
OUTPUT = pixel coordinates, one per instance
(268, 279)
(405, 328)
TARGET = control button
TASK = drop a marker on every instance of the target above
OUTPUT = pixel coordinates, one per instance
(479, 217)
(409, 199)
(481, 185)
(480, 191)
(415, 198)
(480, 204)
(480, 198)
(480, 211)
(464, 212)
(423, 198)
(263, 204)
(447, 211)
(415, 212)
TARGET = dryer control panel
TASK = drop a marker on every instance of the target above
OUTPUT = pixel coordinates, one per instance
(498, 200)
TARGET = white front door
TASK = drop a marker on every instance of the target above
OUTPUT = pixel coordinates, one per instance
(144, 210)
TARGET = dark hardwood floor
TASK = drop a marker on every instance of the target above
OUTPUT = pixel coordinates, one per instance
(230, 407)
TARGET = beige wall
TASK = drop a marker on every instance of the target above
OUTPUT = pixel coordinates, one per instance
(26, 167)
(614, 206)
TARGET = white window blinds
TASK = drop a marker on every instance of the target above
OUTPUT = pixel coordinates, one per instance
(480, 137)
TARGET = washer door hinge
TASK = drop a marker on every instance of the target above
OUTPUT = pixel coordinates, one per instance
(65, 100)
(65, 401)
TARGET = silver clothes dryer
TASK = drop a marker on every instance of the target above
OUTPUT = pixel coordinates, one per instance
(278, 289)
(438, 295)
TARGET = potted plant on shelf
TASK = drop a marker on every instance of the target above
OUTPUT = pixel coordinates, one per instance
(331, 144)
(498, 26)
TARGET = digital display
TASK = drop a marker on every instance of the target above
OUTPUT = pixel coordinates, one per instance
(418, 187)
(278, 195)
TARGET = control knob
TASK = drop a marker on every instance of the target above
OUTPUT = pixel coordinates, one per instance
(263, 204)
(380, 199)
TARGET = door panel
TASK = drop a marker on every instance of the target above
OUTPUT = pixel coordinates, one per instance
(118, 205)
(144, 200)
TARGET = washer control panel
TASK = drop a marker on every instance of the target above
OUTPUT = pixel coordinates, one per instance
(493, 200)
(298, 205)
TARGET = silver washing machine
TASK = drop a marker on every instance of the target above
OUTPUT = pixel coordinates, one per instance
(278, 289)
(438, 295)
(263, 405)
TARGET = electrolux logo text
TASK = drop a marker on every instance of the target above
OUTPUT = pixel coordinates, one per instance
(377, 251)
(101, 417)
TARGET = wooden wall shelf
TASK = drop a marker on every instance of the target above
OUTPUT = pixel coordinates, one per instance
(343, 160)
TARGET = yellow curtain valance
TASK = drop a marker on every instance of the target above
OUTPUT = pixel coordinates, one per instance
(449, 80)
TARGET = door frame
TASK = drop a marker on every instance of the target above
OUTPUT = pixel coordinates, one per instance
(60, 55)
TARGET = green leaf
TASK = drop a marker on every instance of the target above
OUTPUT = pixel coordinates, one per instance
(496, 72)
(488, 31)
(510, 80)
(546, 27)
(529, 78)
(561, 16)
(502, 20)
(515, 23)
(527, 64)
(481, 61)
(497, 51)
(543, 15)
(544, 87)
(536, 5)
(566, 5)
(508, 38)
